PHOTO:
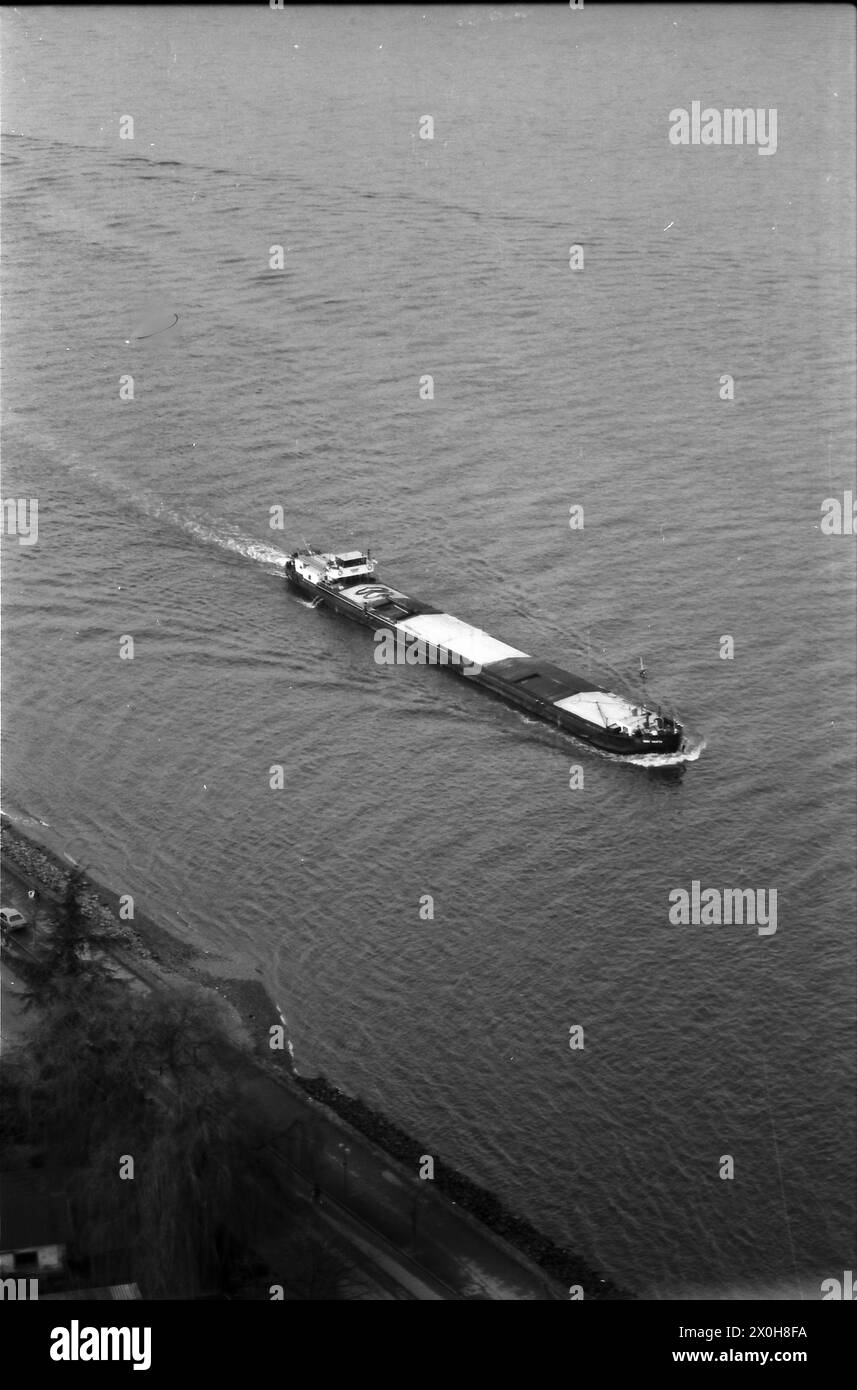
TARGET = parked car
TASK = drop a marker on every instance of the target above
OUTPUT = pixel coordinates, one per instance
(11, 919)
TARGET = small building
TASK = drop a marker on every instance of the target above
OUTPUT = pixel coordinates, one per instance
(35, 1226)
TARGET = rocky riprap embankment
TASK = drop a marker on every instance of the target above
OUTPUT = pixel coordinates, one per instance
(487, 1208)
(43, 870)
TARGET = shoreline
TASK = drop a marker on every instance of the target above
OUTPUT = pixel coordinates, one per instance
(143, 946)
(162, 961)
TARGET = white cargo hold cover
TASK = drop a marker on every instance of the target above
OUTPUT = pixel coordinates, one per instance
(602, 707)
(466, 641)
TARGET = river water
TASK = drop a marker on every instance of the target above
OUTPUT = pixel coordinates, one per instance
(299, 389)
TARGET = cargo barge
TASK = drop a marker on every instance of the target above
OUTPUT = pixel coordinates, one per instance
(421, 632)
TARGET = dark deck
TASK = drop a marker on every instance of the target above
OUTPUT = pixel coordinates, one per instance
(541, 679)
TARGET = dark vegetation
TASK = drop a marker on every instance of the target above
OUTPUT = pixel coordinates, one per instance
(115, 1073)
(113, 1078)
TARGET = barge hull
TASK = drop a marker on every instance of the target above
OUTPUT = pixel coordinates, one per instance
(539, 688)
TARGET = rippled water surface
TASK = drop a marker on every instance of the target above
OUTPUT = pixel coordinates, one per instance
(300, 389)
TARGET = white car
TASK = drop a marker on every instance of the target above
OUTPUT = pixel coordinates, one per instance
(12, 919)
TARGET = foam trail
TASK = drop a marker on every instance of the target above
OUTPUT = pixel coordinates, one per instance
(23, 817)
(687, 755)
(210, 532)
(196, 524)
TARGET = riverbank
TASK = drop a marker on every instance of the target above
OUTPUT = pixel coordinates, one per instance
(142, 945)
(365, 1162)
